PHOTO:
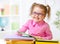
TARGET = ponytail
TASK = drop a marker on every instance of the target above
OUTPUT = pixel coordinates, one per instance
(32, 7)
(48, 11)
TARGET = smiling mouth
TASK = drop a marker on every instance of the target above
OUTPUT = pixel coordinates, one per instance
(38, 18)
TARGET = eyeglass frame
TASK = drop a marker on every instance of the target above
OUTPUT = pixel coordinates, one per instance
(36, 13)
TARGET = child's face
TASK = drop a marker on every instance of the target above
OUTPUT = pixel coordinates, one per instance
(38, 14)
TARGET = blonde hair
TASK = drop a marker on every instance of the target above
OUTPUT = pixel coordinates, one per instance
(45, 8)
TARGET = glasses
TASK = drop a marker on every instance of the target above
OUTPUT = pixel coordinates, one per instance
(35, 13)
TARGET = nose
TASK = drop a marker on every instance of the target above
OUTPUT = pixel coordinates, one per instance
(36, 15)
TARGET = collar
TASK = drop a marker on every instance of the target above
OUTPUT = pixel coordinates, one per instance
(39, 23)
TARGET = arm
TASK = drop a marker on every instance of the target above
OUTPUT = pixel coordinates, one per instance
(24, 28)
(48, 33)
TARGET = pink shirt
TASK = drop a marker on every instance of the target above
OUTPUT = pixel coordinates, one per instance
(40, 29)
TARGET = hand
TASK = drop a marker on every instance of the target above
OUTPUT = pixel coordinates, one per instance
(38, 38)
(19, 34)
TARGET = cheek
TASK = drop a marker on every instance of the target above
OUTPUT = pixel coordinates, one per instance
(32, 16)
(41, 17)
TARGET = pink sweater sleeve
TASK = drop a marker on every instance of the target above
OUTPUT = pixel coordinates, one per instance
(24, 28)
(48, 33)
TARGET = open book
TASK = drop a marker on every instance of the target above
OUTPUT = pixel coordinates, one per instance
(14, 36)
(40, 40)
(26, 35)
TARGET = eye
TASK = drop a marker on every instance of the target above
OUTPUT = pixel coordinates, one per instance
(36, 13)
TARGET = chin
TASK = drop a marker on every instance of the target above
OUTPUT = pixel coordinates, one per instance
(36, 20)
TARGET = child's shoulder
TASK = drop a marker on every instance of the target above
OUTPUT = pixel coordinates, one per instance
(46, 24)
(30, 20)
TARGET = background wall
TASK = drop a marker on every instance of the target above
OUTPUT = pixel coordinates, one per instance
(24, 9)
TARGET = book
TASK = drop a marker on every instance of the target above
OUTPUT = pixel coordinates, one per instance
(11, 36)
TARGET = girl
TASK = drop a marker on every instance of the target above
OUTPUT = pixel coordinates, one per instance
(36, 26)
